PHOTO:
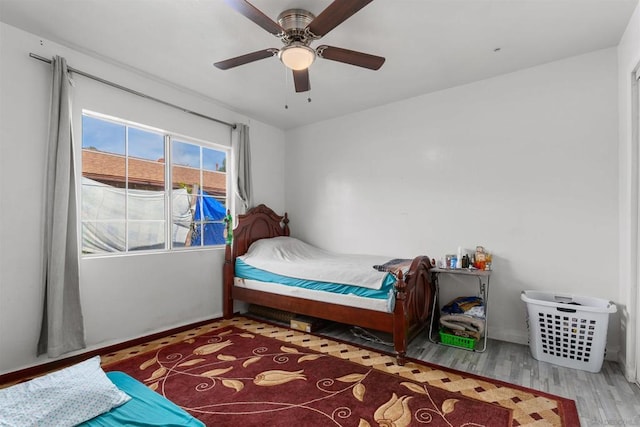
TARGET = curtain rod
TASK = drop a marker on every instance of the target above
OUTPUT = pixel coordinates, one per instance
(135, 92)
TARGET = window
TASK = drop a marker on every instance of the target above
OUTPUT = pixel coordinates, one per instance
(135, 177)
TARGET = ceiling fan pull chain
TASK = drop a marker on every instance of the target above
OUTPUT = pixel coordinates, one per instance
(286, 85)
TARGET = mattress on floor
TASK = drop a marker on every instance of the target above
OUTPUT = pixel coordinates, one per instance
(146, 408)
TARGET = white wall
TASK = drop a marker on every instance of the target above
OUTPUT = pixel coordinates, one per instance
(628, 62)
(525, 164)
(123, 297)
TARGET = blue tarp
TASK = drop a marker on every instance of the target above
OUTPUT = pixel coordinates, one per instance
(209, 210)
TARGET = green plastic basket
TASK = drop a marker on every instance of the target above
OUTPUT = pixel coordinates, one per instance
(457, 341)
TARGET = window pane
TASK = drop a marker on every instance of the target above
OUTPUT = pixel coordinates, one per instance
(102, 202)
(208, 229)
(103, 215)
(146, 145)
(214, 234)
(187, 178)
(103, 236)
(214, 160)
(182, 209)
(185, 162)
(142, 204)
(103, 149)
(146, 167)
(102, 135)
(146, 235)
(212, 209)
(185, 154)
(181, 236)
(207, 234)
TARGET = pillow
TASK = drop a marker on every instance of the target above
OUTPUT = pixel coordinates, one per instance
(63, 398)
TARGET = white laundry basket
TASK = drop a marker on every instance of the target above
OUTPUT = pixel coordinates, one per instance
(567, 330)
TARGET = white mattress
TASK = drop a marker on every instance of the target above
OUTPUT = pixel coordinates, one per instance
(385, 306)
(290, 257)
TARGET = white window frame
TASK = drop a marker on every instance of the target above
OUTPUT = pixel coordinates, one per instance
(169, 137)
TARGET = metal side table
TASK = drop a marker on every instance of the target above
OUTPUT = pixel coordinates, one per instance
(483, 285)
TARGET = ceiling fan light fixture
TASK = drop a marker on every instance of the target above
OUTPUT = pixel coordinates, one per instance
(297, 56)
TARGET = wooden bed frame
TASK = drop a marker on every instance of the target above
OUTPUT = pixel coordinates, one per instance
(414, 291)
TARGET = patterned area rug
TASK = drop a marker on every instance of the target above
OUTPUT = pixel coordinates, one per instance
(245, 372)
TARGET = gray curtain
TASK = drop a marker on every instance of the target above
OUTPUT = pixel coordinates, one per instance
(637, 215)
(243, 171)
(62, 325)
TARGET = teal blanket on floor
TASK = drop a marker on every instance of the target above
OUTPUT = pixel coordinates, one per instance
(146, 408)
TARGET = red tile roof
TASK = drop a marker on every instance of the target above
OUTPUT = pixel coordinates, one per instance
(110, 169)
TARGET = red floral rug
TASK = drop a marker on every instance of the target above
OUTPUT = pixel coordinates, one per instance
(238, 375)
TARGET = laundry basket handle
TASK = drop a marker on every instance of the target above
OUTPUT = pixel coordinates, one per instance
(561, 301)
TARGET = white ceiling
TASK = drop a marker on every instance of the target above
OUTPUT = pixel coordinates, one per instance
(429, 45)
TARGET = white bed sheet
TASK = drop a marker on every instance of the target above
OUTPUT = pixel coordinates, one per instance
(288, 256)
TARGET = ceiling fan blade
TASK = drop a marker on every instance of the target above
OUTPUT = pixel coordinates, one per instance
(301, 80)
(245, 59)
(254, 14)
(351, 57)
(335, 14)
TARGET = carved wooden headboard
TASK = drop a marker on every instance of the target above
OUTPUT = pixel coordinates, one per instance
(259, 222)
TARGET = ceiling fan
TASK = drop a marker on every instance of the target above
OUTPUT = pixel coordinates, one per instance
(297, 28)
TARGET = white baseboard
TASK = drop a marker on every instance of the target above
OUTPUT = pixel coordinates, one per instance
(516, 337)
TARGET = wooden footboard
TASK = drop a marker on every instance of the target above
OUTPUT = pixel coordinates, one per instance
(414, 297)
(414, 292)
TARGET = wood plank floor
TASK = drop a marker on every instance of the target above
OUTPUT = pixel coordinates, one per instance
(603, 399)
